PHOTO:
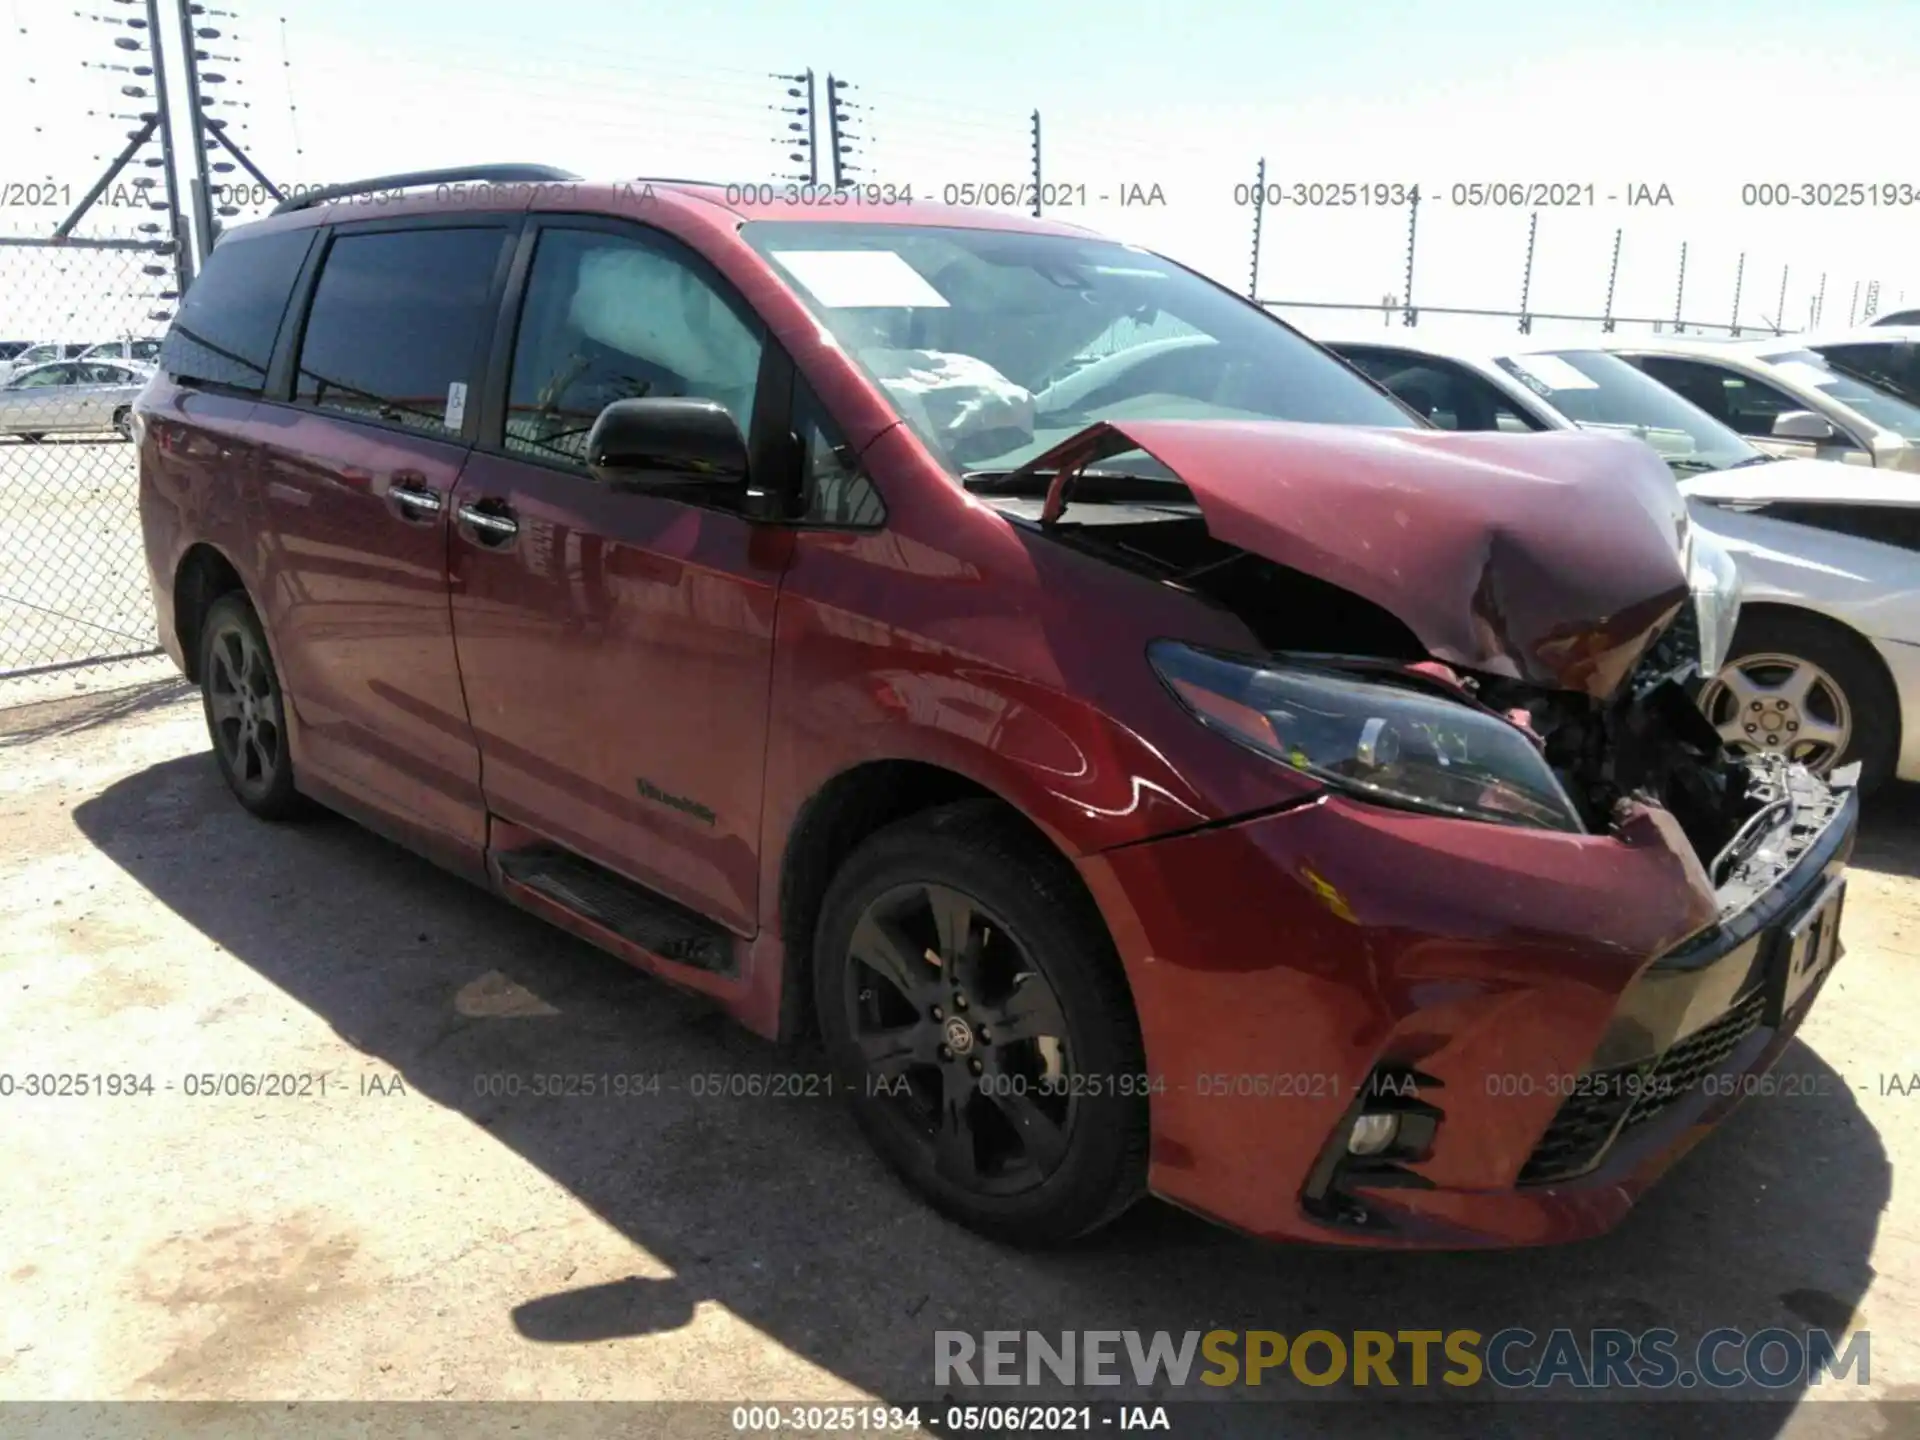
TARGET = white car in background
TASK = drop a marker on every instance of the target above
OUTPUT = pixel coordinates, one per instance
(1783, 397)
(1825, 663)
(43, 353)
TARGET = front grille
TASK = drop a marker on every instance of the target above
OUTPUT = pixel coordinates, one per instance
(1620, 1100)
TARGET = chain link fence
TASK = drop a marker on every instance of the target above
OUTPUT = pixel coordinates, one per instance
(80, 322)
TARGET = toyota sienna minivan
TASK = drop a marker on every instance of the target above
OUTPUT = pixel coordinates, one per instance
(1143, 754)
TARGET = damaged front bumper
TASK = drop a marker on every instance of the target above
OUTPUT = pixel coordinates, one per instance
(1564, 1015)
(1722, 1003)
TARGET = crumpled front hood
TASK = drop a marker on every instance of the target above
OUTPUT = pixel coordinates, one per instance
(1554, 558)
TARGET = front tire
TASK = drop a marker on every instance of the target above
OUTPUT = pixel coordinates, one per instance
(1800, 685)
(972, 1006)
(123, 424)
(246, 710)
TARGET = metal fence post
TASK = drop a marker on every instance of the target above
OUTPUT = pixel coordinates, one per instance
(199, 187)
(1680, 291)
(1409, 315)
(1526, 278)
(1259, 209)
(183, 266)
(1613, 274)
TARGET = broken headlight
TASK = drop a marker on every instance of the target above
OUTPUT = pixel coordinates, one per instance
(1387, 743)
(1715, 583)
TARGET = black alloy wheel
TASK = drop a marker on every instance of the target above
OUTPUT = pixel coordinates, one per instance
(973, 1007)
(957, 1025)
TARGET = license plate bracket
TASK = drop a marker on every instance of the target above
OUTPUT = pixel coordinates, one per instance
(1807, 949)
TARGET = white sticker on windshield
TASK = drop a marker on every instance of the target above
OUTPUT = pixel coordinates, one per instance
(1553, 372)
(456, 405)
(860, 279)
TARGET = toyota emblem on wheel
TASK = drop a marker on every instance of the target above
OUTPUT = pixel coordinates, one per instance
(959, 1037)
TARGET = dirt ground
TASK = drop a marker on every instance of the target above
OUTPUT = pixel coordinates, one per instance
(407, 1234)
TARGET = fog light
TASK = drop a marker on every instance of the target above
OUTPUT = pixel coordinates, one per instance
(1373, 1133)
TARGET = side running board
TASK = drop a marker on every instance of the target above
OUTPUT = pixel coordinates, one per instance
(615, 903)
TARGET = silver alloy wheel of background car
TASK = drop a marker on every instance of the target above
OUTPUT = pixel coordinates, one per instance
(1779, 704)
(123, 424)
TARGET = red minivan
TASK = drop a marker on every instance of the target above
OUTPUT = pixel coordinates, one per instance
(1146, 756)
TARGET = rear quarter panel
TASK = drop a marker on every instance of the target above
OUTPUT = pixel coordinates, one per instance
(198, 485)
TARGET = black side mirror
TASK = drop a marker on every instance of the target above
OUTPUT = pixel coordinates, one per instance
(673, 445)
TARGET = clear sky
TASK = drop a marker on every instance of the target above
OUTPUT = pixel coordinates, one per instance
(1701, 98)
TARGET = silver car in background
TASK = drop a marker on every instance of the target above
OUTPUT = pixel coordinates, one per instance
(71, 397)
(1786, 399)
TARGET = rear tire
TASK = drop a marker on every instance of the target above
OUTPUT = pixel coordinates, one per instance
(123, 424)
(246, 710)
(1793, 675)
(34, 438)
(1005, 1084)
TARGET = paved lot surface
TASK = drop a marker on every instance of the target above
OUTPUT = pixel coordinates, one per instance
(410, 1235)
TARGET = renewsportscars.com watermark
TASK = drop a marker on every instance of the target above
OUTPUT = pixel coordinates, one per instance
(1511, 1359)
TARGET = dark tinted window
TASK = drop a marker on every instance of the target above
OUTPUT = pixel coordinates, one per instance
(231, 313)
(1733, 400)
(9, 349)
(1893, 366)
(1449, 395)
(396, 323)
(615, 317)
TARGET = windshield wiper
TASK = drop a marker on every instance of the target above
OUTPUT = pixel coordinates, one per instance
(1761, 459)
(1089, 485)
(1692, 467)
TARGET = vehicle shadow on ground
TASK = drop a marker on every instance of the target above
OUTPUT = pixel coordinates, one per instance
(46, 719)
(775, 1209)
(1890, 832)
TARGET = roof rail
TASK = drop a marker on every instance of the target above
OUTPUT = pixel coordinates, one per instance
(496, 174)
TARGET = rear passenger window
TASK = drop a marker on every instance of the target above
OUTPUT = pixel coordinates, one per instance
(612, 317)
(224, 331)
(397, 321)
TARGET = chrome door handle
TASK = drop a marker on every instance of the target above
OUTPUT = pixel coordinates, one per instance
(415, 498)
(489, 523)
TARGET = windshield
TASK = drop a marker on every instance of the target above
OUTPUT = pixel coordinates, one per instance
(1810, 368)
(1892, 365)
(1598, 391)
(996, 345)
